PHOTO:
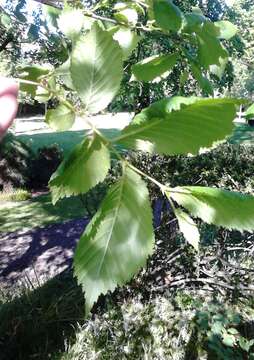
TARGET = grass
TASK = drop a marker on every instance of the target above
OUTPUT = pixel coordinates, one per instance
(15, 195)
(38, 212)
(37, 322)
(66, 139)
(48, 323)
(243, 134)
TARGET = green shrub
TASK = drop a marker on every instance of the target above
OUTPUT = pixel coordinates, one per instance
(182, 326)
(227, 166)
(44, 165)
(15, 158)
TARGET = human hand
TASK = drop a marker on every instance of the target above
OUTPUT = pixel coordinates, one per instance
(8, 103)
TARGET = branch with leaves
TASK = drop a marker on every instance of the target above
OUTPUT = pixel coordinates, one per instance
(120, 237)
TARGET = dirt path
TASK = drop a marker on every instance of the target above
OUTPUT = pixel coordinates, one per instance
(38, 254)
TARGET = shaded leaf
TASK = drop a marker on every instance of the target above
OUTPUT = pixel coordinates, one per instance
(85, 167)
(202, 80)
(51, 14)
(153, 67)
(167, 15)
(229, 209)
(118, 240)
(96, 69)
(210, 49)
(63, 71)
(32, 73)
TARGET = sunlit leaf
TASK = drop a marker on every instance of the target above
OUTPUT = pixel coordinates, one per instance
(70, 22)
(227, 29)
(197, 123)
(60, 118)
(96, 69)
(85, 167)
(215, 206)
(126, 38)
(153, 67)
(250, 112)
(219, 70)
(118, 240)
(5, 20)
(188, 228)
(127, 15)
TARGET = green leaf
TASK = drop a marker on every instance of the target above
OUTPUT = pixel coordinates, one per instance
(188, 228)
(153, 67)
(71, 22)
(228, 340)
(167, 15)
(118, 240)
(63, 71)
(232, 331)
(210, 49)
(32, 73)
(198, 124)
(126, 38)
(227, 29)
(245, 344)
(51, 14)
(219, 70)
(250, 112)
(193, 22)
(96, 69)
(5, 20)
(85, 167)
(127, 16)
(215, 206)
(203, 82)
(61, 118)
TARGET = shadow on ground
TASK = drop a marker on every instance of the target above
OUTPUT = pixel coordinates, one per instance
(40, 322)
(38, 254)
(38, 212)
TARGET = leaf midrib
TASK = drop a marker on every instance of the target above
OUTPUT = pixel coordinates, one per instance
(113, 222)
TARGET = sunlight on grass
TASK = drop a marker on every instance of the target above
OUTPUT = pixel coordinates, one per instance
(39, 212)
(66, 139)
